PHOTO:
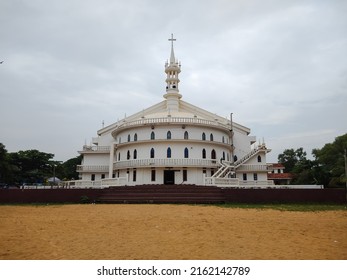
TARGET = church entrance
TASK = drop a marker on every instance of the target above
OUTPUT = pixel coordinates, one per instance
(169, 177)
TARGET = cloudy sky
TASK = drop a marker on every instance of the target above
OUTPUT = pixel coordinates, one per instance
(279, 66)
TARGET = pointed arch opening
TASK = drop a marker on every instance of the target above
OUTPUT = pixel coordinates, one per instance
(259, 158)
(152, 153)
(186, 153)
(135, 154)
(168, 152)
(213, 154)
(203, 153)
(211, 137)
(152, 135)
(203, 136)
(168, 135)
(186, 135)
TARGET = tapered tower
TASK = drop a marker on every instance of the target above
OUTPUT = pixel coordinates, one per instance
(172, 69)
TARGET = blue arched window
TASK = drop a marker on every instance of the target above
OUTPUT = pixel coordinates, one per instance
(135, 137)
(135, 154)
(203, 136)
(168, 135)
(186, 136)
(152, 135)
(168, 153)
(186, 153)
(203, 153)
(152, 153)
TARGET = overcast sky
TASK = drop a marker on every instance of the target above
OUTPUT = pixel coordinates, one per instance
(279, 66)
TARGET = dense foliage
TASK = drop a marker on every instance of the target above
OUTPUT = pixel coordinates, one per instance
(327, 168)
(34, 167)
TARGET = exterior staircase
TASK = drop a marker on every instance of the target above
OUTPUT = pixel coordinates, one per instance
(228, 167)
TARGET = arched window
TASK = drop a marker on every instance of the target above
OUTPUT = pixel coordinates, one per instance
(223, 156)
(203, 153)
(129, 138)
(135, 137)
(186, 153)
(128, 154)
(168, 152)
(119, 157)
(168, 135)
(213, 154)
(211, 137)
(152, 135)
(152, 153)
(223, 139)
(259, 158)
(203, 136)
(186, 136)
(135, 154)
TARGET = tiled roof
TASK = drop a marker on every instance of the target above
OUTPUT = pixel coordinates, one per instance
(277, 165)
(282, 176)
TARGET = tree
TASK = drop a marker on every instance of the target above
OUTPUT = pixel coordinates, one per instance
(295, 162)
(69, 167)
(33, 166)
(330, 161)
(3, 163)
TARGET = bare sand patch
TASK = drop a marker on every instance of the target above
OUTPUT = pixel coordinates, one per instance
(93, 231)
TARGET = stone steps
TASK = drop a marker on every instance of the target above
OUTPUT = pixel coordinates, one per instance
(162, 194)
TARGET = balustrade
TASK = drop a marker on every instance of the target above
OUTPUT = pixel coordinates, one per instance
(165, 162)
(96, 149)
(92, 168)
(172, 120)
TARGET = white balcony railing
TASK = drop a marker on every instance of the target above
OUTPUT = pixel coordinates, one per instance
(95, 149)
(92, 168)
(253, 167)
(103, 183)
(170, 120)
(165, 162)
(236, 183)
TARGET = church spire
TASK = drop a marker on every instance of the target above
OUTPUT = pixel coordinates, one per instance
(172, 69)
(172, 56)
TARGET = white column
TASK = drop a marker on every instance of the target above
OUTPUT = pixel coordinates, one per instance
(110, 169)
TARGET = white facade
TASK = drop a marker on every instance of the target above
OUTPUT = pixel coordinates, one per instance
(174, 142)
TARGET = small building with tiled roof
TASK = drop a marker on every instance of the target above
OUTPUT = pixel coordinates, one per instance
(277, 174)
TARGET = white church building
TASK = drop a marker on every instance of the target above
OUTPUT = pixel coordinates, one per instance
(174, 142)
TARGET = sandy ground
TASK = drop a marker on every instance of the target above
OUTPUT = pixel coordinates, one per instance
(169, 232)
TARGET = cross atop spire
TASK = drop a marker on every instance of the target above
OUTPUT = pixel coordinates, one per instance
(172, 56)
(172, 39)
(172, 69)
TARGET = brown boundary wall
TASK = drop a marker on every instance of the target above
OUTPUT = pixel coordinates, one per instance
(228, 195)
(47, 196)
(285, 195)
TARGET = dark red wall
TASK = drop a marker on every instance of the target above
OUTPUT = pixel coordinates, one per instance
(47, 196)
(285, 195)
(228, 195)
